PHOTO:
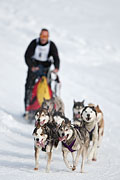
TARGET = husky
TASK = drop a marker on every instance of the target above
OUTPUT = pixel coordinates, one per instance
(58, 118)
(54, 104)
(42, 117)
(89, 116)
(73, 140)
(45, 140)
(100, 120)
(77, 109)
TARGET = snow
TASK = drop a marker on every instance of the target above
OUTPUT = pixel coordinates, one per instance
(87, 36)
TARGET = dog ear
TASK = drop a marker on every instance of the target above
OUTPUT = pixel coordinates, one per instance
(60, 109)
(34, 132)
(83, 101)
(83, 111)
(63, 123)
(74, 101)
(93, 108)
(98, 107)
(44, 100)
(37, 114)
(69, 122)
(47, 107)
(62, 113)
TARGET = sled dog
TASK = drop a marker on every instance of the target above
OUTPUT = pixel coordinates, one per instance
(100, 120)
(54, 104)
(77, 109)
(73, 139)
(44, 139)
(89, 116)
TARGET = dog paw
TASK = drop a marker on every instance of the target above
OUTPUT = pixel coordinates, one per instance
(35, 169)
(90, 157)
(74, 168)
(81, 171)
(94, 159)
(47, 170)
(70, 167)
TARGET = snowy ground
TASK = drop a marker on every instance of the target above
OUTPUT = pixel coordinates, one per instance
(87, 36)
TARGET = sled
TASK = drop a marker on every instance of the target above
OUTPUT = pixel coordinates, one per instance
(45, 87)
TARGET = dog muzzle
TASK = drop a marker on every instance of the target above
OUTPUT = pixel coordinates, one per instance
(78, 116)
(62, 138)
(40, 144)
(42, 122)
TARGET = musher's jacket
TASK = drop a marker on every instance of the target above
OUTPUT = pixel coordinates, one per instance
(37, 54)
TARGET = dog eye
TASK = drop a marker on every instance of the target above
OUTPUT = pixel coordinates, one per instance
(41, 134)
(66, 129)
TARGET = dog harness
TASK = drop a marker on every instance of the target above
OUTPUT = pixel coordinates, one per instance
(90, 132)
(44, 148)
(69, 147)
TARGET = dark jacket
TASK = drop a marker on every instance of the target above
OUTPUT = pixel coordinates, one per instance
(34, 62)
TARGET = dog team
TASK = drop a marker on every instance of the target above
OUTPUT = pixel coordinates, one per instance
(82, 136)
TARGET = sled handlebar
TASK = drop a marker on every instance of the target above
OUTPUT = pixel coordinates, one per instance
(50, 78)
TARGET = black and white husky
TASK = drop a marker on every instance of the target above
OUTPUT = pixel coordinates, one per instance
(44, 139)
(73, 139)
(53, 104)
(89, 116)
(59, 118)
(77, 110)
(42, 117)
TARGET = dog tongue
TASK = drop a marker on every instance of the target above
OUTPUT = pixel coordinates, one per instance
(42, 122)
(40, 144)
(77, 115)
(62, 138)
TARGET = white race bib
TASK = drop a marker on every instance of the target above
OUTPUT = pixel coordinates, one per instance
(41, 52)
